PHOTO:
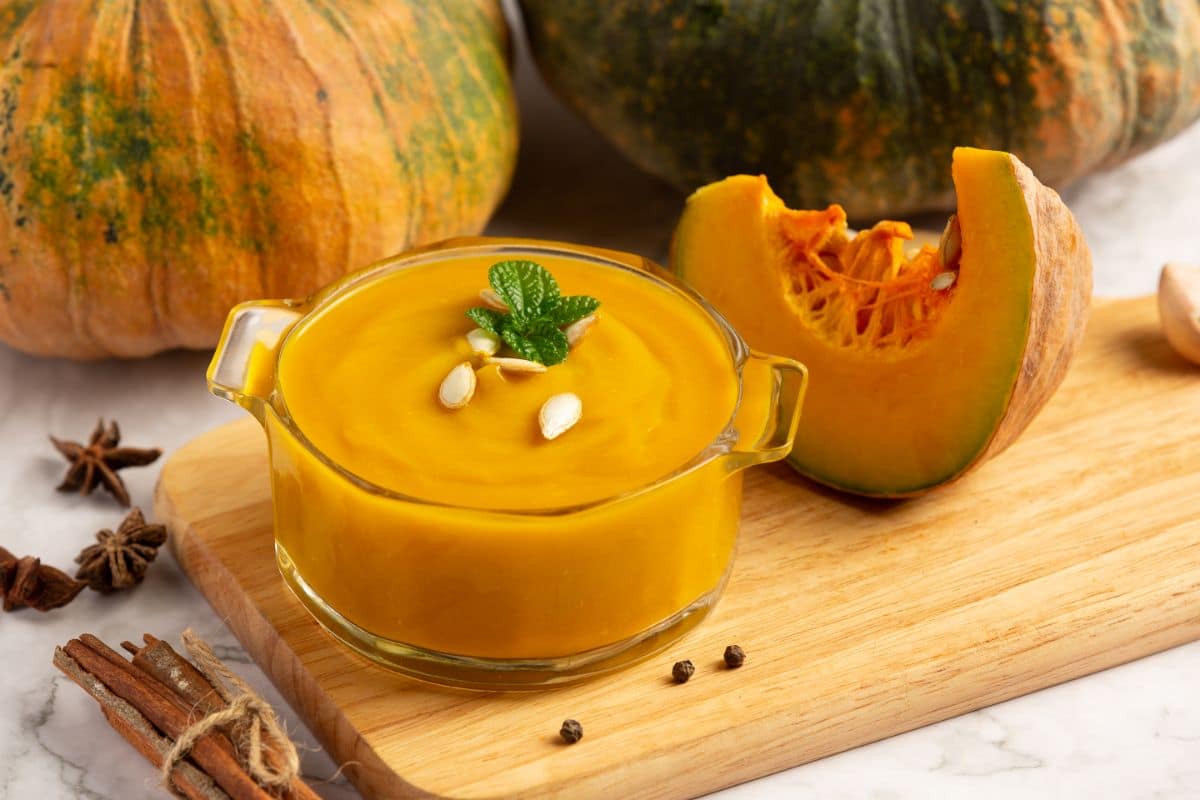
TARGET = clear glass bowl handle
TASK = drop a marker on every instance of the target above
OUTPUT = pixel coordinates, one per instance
(772, 396)
(243, 367)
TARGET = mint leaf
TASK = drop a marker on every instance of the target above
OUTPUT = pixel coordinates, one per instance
(527, 288)
(540, 341)
(486, 318)
(573, 309)
(537, 312)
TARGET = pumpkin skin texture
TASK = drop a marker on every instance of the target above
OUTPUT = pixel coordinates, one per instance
(860, 102)
(987, 353)
(160, 162)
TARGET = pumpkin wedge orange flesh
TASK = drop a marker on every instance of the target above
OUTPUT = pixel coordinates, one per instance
(915, 375)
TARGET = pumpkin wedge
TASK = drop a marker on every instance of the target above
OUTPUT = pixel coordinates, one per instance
(923, 362)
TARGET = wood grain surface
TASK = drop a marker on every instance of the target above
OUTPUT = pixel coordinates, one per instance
(1075, 550)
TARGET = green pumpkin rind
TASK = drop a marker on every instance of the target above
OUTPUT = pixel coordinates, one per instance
(160, 162)
(862, 103)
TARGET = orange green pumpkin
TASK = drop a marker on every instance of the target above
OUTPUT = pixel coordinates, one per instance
(861, 103)
(162, 161)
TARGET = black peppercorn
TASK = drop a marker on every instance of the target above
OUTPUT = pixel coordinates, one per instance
(682, 671)
(571, 731)
(734, 656)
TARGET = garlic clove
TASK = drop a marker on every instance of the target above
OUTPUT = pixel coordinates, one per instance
(1179, 308)
(492, 300)
(483, 343)
(458, 387)
(578, 328)
(516, 365)
(559, 414)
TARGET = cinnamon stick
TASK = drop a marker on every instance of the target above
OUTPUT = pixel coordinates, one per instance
(163, 663)
(137, 730)
(168, 712)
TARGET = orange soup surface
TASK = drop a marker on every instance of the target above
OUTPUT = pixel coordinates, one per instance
(361, 377)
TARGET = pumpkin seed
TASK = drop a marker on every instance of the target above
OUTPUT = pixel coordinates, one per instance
(943, 280)
(458, 387)
(559, 414)
(492, 300)
(950, 247)
(484, 343)
(578, 328)
(518, 365)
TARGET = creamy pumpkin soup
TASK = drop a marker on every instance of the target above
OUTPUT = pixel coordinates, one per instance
(653, 375)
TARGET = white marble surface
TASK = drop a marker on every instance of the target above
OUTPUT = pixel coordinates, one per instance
(1132, 732)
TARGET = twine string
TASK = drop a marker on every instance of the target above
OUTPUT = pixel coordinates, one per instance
(253, 726)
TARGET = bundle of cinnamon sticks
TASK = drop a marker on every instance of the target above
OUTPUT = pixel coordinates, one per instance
(156, 697)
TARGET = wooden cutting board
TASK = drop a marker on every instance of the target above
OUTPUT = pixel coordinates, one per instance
(1075, 550)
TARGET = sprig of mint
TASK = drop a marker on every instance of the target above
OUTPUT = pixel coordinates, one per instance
(537, 311)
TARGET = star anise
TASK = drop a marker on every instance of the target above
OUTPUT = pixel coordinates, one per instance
(120, 559)
(26, 582)
(98, 462)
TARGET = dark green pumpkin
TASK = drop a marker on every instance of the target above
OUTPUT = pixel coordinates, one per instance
(862, 102)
